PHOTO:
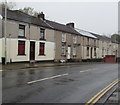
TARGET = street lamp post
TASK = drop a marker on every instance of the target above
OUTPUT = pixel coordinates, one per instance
(5, 32)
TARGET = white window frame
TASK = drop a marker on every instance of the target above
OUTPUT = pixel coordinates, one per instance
(43, 34)
(21, 31)
(63, 50)
(103, 52)
(74, 50)
(74, 39)
(63, 37)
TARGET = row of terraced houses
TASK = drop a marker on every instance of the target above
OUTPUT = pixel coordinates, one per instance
(32, 38)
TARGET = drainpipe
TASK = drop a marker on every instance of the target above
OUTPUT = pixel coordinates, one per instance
(29, 43)
(5, 32)
(10, 48)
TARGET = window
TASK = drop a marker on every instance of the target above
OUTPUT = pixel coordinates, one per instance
(42, 49)
(103, 52)
(94, 51)
(21, 30)
(21, 47)
(94, 42)
(107, 51)
(87, 41)
(74, 50)
(42, 34)
(63, 50)
(83, 41)
(74, 39)
(63, 37)
(87, 51)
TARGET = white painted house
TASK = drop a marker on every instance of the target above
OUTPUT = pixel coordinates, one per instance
(28, 38)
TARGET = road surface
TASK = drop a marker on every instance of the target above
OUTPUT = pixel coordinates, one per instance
(67, 84)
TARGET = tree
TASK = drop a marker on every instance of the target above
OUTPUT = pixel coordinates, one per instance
(10, 5)
(29, 11)
(116, 37)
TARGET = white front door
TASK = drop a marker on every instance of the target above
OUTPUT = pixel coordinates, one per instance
(69, 52)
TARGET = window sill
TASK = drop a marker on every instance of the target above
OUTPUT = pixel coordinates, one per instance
(74, 55)
(64, 42)
(43, 39)
(21, 55)
(77, 44)
(74, 42)
(42, 55)
(63, 55)
(22, 37)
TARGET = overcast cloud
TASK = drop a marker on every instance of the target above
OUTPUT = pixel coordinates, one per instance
(98, 17)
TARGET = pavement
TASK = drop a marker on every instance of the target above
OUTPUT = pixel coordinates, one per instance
(15, 66)
(114, 98)
(58, 84)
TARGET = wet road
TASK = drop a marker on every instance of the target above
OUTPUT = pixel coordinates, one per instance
(69, 84)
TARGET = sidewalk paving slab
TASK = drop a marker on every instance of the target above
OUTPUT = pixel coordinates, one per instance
(14, 66)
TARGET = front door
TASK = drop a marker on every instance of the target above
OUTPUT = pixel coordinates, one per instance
(69, 52)
(32, 50)
(91, 52)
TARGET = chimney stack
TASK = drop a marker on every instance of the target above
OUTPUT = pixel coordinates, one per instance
(41, 16)
(70, 24)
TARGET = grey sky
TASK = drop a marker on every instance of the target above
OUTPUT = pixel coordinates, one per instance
(98, 17)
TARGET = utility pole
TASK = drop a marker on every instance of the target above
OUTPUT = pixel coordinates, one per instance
(5, 31)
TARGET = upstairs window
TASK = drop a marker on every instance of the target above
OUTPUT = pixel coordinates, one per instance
(74, 50)
(42, 34)
(87, 41)
(63, 37)
(21, 47)
(74, 39)
(94, 42)
(42, 49)
(21, 30)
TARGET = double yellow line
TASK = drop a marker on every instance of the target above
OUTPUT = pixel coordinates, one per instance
(98, 96)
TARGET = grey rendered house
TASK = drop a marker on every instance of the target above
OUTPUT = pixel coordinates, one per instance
(90, 45)
(68, 42)
(107, 46)
(37, 39)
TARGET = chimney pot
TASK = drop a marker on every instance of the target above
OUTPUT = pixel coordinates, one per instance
(41, 16)
(70, 24)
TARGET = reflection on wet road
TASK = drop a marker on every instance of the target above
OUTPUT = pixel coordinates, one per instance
(78, 86)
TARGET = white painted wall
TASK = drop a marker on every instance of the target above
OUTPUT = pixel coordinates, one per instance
(49, 51)
(1, 50)
(12, 51)
(99, 51)
(83, 52)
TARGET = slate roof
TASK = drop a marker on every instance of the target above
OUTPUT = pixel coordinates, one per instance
(62, 27)
(105, 38)
(23, 17)
(85, 33)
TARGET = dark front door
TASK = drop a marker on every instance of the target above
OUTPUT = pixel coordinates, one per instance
(91, 52)
(32, 50)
